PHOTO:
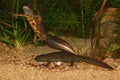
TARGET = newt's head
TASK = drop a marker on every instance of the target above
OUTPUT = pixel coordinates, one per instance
(28, 11)
(41, 58)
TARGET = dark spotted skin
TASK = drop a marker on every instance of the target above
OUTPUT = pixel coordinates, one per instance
(71, 58)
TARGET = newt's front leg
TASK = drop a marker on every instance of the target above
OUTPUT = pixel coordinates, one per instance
(17, 15)
(48, 63)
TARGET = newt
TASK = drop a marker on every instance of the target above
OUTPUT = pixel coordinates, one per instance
(62, 56)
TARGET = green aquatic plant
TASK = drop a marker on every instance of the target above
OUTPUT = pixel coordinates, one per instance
(14, 31)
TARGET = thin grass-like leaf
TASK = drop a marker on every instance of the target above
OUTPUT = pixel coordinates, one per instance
(6, 31)
(8, 25)
(7, 41)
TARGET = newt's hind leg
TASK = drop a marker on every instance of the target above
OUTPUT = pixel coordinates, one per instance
(35, 40)
(71, 63)
(47, 65)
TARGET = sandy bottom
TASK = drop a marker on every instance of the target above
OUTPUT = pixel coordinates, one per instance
(20, 65)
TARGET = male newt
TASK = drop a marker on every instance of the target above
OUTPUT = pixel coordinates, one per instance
(69, 57)
(38, 27)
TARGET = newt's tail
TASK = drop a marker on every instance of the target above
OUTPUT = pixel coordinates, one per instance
(58, 43)
(94, 61)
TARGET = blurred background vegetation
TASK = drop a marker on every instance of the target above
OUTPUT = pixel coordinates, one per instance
(61, 17)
